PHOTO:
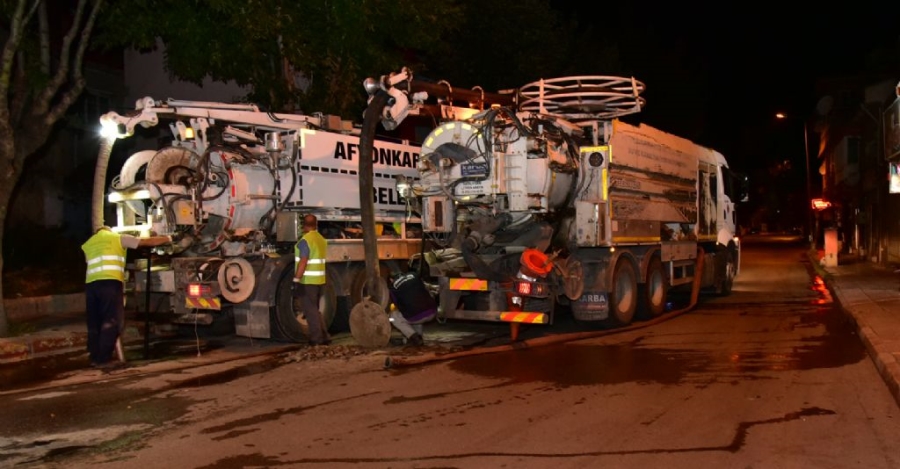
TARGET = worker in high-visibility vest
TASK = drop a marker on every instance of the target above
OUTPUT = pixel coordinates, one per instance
(105, 254)
(309, 279)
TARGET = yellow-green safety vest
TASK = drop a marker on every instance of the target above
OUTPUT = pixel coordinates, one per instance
(105, 257)
(315, 265)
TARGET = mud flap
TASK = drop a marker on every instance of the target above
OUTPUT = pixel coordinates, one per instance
(253, 318)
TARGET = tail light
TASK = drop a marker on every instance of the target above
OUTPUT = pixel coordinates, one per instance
(202, 295)
(199, 290)
(523, 288)
(535, 266)
(531, 288)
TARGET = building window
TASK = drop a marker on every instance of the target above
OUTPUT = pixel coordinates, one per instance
(894, 186)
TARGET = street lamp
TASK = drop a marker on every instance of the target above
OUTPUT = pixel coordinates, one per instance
(809, 211)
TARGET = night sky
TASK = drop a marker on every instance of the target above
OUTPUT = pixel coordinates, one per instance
(718, 72)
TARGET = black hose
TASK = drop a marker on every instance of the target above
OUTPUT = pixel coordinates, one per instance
(371, 117)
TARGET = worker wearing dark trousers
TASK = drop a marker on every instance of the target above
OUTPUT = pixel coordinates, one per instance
(415, 306)
(104, 254)
(309, 279)
(106, 316)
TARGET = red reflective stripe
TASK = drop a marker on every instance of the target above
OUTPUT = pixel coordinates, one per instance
(527, 318)
(230, 216)
(468, 284)
(203, 303)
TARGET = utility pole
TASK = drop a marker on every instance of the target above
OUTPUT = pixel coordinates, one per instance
(810, 225)
(809, 209)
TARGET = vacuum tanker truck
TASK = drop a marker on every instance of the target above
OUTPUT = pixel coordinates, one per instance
(557, 200)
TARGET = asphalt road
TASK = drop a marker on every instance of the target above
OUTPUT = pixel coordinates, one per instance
(771, 376)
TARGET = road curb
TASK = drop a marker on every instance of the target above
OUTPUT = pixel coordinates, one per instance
(884, 362)
(29, 308)
(29, 347)
(18, 349)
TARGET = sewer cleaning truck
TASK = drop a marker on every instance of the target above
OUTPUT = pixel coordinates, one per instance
(557, 200)
(230, 184)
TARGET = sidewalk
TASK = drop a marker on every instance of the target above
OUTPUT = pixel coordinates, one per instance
(868, 294)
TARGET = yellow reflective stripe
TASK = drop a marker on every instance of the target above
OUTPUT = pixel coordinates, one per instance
(314, 273)
(636, 239)
(97, 259)
(311, 261)
(468, 284)
(203, 303)
(523, 317)
(117, 268)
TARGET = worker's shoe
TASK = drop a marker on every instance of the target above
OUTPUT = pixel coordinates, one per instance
(416, 340)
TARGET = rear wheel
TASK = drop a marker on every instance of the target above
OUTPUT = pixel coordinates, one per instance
(291, 325)
(359, 288)
(623, 294)
(654, 291)
(729, 270)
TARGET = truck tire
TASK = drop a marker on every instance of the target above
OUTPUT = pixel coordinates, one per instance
(623, 294)
(286, 324)
(728, 268)
(654, 291)
(359, 289)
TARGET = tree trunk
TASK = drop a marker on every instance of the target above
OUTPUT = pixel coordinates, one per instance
(6, 191)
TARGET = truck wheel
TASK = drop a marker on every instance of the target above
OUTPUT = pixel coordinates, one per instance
(291, 325)
(623, 294)
(729, 268)
(359, 288)
(654, 291)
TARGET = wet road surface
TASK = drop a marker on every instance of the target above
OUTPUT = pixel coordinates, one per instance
(771, 376)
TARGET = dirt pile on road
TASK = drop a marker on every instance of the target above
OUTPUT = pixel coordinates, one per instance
(347, 351)
(325, 352)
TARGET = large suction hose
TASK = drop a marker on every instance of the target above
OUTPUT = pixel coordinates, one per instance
(366, 186)
(394, 362)
(99, 194)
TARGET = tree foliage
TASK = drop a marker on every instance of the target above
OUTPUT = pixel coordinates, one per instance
(332, 44)
(506, 44)
(335, 44)
(295, 55)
